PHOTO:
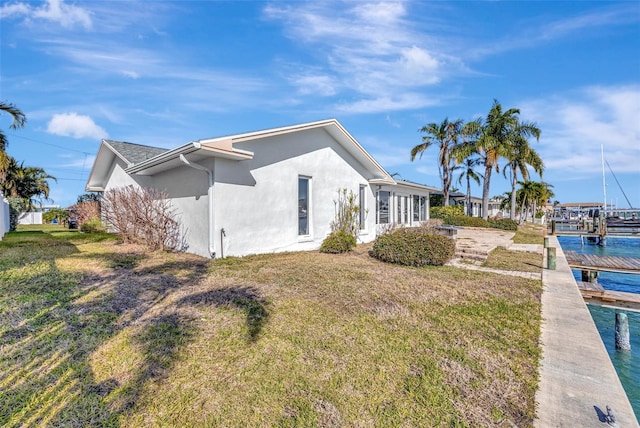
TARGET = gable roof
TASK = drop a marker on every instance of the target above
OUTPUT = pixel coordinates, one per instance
(146, 160)
(133, 153)
(110, 150)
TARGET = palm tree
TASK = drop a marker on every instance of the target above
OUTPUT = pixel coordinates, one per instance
(469, 173)
(494, 138)
(29, 183)
(19, 120)
(446, 134)
(520, 157)
(532, 194)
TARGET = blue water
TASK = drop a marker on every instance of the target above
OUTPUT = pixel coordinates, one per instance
(627, 363)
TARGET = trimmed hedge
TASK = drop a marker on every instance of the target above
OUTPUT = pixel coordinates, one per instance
(338, 242)
(463, 220)
(413, 247)
(503, 223)
(446, 212)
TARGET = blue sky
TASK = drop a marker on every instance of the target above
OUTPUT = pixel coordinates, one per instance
(165, 73)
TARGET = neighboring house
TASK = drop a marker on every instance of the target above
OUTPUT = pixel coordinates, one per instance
(459, 198)
(264, 191)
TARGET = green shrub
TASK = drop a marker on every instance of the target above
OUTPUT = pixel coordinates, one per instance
(446, 212)
(463, 220)
(338, 242)
(93, 225)
(347, 213)
(16, 206)
(414, 247)
(503, 223)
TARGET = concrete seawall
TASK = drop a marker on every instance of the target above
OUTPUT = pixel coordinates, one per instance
(577, 379)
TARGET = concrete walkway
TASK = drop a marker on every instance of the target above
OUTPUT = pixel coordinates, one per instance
(577, 379)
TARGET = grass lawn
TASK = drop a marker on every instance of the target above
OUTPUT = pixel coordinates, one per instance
(503, 259)
(96, 333)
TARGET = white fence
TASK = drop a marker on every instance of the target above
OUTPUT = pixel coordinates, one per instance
(4, 216)
(30, 218)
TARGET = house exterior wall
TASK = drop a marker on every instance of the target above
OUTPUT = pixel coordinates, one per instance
(187, 190)
(256, 201)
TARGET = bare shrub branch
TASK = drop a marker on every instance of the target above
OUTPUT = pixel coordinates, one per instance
(142, 216)
(86, 211)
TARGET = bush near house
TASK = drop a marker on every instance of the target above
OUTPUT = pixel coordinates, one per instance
(413, 247)
(93, 225)
(463, 220)
(447, 212)
(503, 223)
(338, 242)
(143, 216)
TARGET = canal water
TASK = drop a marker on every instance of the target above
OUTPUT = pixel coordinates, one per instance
(627, 363)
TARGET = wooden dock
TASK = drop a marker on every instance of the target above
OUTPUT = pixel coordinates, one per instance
(594, 294)
(591, 262)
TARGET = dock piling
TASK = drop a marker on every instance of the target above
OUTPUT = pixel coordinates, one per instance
(622, 332)
(551, 258)
(590, 276)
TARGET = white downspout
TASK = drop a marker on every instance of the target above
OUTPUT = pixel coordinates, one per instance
(212, 252)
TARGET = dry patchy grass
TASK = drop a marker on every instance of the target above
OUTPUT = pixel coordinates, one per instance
(94, 333)
(529, 233)
(503, 259)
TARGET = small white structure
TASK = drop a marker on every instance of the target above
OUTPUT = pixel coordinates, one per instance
(30, 217)
(264, 191)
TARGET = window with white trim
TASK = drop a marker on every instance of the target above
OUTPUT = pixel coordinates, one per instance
(382, 207)
(304, 196)
(419, 208)
(362, 209)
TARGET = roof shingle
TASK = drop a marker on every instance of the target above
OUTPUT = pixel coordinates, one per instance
(134, 153)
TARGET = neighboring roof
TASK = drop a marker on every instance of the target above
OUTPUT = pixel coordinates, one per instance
(133, 153)
(413, 184)
(146, 160)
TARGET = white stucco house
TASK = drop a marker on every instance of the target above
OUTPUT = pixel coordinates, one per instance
(265, 191)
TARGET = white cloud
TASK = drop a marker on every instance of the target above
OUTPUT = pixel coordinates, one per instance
(53, 10)
(76, 126)
(611, 15)
(575, 125)
(372, 49)
(316, 84)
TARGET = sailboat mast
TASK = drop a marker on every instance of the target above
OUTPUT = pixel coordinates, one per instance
(604, 185)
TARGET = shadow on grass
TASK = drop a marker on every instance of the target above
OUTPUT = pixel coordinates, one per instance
(52, 322)
(245, 298)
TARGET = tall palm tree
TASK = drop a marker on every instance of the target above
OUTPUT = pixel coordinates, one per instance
(29, 183)
(447, 135)
(493, 138)
(19, 120)
(520, 157)
(469, 173)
